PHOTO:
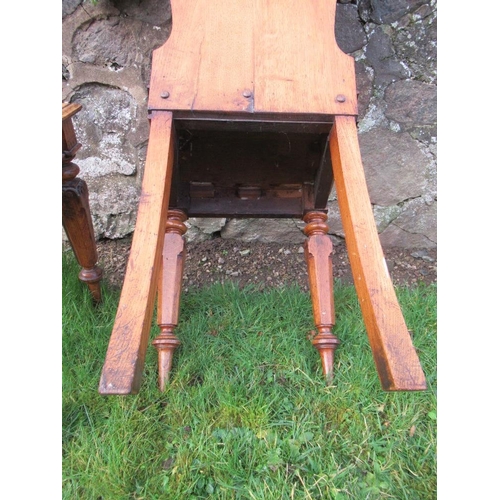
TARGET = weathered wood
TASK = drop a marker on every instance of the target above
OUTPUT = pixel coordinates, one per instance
(319, 257)
(122, 371)
(395, 357)
(169, 293)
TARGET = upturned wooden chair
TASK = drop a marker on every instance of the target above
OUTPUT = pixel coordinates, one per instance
(252, 112)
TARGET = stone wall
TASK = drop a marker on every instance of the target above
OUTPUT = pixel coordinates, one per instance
(107, 50)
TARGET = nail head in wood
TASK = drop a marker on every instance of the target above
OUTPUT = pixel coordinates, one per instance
(340, 98)
(165, 95)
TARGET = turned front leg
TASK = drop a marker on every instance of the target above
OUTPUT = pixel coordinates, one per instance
(318, 254)
(76, 218)
(77, 223)
(169, 293)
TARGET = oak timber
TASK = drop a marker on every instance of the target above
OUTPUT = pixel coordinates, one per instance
(253, 56)
(122, 371)
(395, 357)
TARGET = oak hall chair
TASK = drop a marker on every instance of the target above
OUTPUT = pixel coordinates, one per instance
(252, 110)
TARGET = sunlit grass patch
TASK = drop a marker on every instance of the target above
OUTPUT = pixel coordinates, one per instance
(246, 413)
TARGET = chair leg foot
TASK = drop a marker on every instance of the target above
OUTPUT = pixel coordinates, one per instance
(92, 278)
(166, 343)
(326, 343)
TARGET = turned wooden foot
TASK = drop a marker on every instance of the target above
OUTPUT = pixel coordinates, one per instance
(318, 254)
(169, 292)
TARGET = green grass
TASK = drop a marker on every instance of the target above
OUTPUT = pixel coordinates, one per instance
(246, 414)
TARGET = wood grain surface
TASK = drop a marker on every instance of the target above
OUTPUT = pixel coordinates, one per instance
(124, 363)
(397, 363)
(253, 56)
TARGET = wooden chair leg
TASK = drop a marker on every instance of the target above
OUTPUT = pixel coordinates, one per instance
(169, 293)
(124, 363)
(318, 254)
(397, 363)
(77, 223)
